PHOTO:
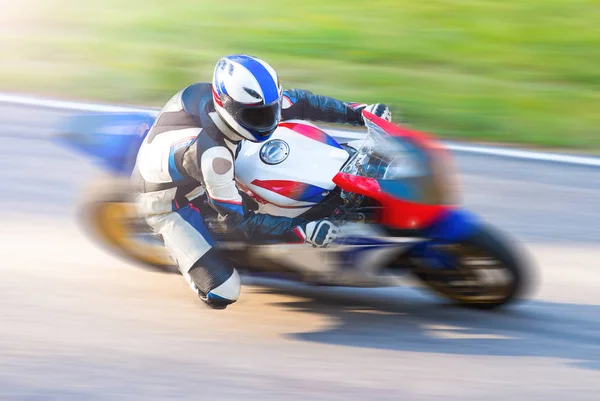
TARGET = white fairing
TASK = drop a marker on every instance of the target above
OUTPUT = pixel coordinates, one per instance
(312, 159)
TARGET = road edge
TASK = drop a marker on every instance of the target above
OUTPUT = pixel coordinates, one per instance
(65, 105)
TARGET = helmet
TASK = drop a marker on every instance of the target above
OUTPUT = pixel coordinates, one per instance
(247, 96)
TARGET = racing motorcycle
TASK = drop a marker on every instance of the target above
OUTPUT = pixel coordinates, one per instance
(392, 190)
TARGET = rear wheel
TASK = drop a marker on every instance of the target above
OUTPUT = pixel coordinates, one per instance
(109, 216)
(483, 272)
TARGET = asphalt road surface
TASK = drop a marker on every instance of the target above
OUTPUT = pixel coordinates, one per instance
(77, 323)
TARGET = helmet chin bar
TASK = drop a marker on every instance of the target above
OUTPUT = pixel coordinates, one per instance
(225, 128)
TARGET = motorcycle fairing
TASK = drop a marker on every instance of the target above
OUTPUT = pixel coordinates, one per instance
(113, 139)
(300, 180)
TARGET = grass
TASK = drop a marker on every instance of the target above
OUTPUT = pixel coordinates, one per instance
(522, 71)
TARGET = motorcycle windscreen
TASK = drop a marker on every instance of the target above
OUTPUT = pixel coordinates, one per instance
(405, 164)
(421, 190)
(428, 184)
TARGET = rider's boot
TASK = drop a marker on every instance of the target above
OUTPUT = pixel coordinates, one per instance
(215, 281)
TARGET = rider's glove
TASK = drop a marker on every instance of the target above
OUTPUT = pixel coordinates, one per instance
(379, 109)
(319, 233)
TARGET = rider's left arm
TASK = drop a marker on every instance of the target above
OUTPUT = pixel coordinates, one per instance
(304, 105)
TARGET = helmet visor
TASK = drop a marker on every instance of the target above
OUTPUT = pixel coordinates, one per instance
(262, 119)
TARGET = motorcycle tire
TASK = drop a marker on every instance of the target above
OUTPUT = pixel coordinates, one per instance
(501, 277)
(108, 216)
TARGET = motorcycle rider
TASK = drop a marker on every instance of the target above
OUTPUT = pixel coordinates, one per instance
(189, 155)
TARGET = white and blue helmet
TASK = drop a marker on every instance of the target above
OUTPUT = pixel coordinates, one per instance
(247, 95)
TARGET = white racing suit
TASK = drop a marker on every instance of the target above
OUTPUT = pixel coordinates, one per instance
(187, 160)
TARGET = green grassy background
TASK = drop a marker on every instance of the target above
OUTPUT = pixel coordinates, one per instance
(525, 71)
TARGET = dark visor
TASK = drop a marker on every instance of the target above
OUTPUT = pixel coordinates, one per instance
(262, 118)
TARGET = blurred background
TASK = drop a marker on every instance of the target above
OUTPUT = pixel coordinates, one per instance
(79, 323)
(514, 71)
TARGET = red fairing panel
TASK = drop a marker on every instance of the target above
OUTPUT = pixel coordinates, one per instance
(396, 213)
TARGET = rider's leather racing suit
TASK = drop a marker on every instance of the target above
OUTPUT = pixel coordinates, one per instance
(189, 155)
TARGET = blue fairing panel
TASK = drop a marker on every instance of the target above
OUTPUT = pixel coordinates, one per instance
(112, 139)
(454, 225)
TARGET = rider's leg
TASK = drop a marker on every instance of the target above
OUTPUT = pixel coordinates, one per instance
(189, 243)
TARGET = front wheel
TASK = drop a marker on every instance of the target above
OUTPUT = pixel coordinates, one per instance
(484, 271)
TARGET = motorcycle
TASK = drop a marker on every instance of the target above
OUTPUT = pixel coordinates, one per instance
(392, 192)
